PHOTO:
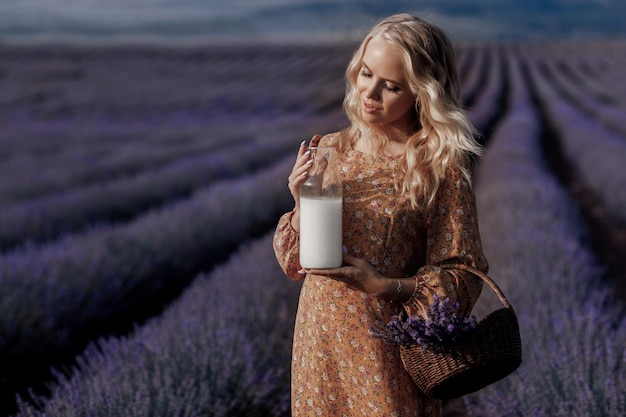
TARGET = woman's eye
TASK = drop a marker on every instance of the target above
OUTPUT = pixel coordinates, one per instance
(391, 88)
(366, 74)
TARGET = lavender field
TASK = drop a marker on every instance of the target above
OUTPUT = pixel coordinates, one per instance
(139, 188)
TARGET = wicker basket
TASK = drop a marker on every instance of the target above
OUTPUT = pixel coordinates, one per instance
(490, 352)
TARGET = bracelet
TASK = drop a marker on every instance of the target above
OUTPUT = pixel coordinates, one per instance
(398, 290)
(417, 287)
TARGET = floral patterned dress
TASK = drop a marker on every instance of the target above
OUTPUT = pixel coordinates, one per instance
(338, 367)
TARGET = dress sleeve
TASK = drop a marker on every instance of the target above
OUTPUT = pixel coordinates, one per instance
(287, 247)
(452, 237)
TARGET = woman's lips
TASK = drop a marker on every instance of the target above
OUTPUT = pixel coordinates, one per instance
(369, 109)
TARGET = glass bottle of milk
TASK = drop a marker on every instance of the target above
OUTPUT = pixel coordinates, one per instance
(320, 212)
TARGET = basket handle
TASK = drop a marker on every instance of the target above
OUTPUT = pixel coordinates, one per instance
(482, 276)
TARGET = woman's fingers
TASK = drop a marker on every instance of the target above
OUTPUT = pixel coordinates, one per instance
(349, 259)
(303, 160)
(302, 149)
(301, 167)
(300, 170)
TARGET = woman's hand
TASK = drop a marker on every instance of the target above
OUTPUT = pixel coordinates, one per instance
(299, 174)
(356, 273)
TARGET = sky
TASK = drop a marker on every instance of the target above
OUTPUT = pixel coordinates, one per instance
(198, 21)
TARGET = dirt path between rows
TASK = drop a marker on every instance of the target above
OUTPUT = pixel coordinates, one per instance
(607, 234)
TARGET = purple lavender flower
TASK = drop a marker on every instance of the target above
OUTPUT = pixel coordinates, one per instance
(440, 328)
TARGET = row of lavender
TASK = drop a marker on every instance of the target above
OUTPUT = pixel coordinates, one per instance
(126, 195)
(70, 291)
(596, 82)
(157, 348)
(175, 86)
(573, 330)
(175, 104)
(593, 132)
(48, 166)
(223, 349)
(105, 228)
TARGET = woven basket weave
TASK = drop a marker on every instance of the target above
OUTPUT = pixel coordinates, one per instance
(490, 352)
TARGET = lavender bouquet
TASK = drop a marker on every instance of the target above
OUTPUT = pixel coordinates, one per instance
(441, 327)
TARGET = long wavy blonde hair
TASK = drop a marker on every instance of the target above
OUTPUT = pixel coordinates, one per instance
(443, 133)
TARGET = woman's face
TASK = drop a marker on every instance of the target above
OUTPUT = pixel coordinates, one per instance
(383, 90)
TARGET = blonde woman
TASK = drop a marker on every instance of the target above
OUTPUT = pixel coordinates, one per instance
(408, 207)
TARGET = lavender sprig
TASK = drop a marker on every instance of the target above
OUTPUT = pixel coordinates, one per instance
(439, 329)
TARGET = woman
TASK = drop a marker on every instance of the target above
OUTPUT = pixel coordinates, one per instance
(408, 207)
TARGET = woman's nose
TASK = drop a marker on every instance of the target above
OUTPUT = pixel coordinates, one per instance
(372, 92)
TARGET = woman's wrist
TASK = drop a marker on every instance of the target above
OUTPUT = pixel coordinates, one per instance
(397, 290)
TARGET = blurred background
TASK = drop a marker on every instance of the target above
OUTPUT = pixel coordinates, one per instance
(200, 21)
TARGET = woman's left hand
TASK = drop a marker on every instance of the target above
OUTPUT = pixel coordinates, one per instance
(356, 273)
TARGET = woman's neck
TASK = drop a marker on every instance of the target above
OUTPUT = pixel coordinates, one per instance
(377, 143)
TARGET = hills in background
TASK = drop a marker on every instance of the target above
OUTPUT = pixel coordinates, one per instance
(192, 21)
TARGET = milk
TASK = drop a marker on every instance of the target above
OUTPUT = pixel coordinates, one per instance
(320, 232)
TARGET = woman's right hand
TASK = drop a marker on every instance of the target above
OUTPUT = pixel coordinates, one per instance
(298, 175)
